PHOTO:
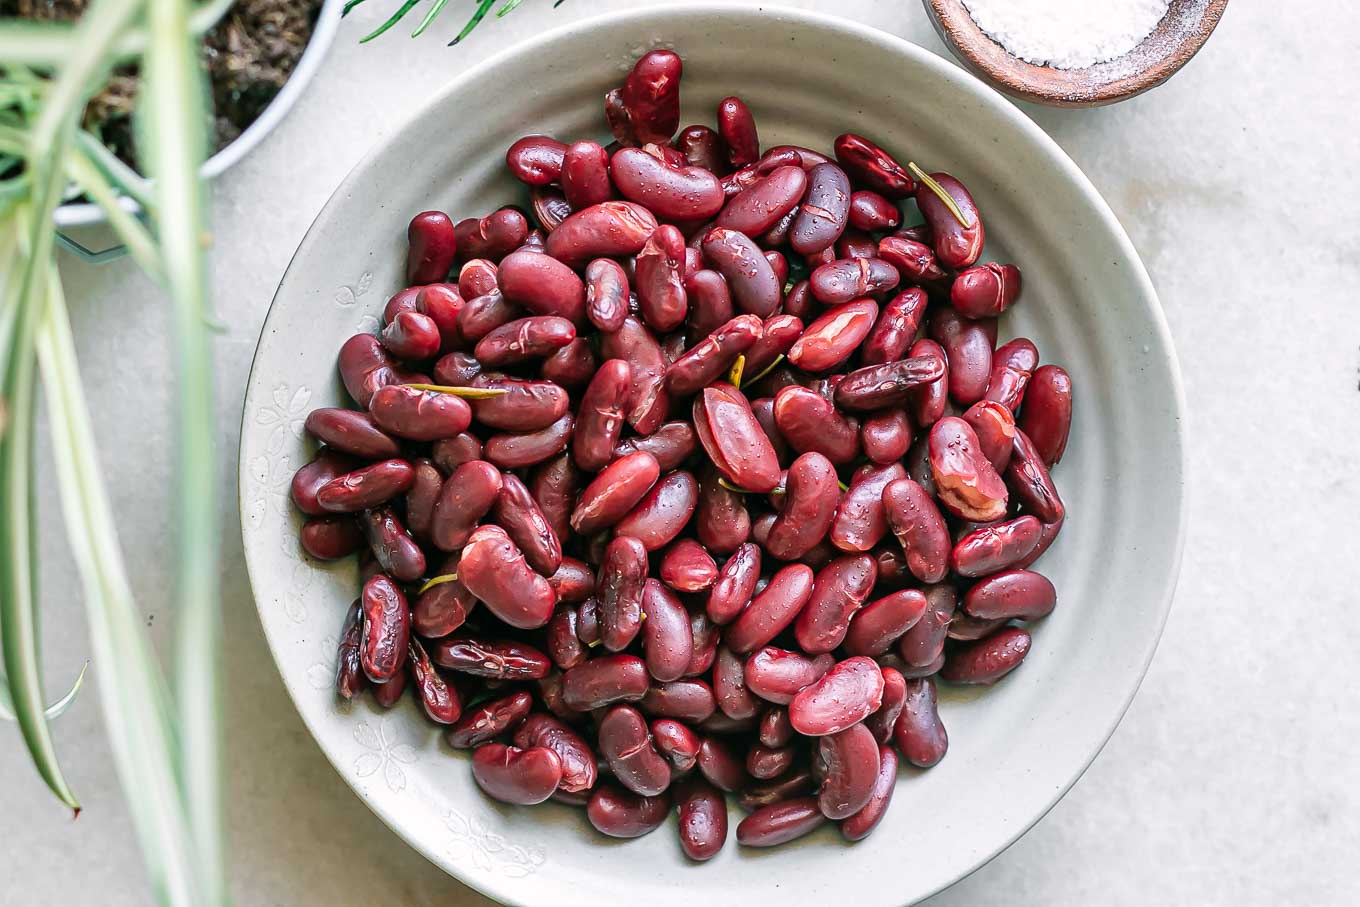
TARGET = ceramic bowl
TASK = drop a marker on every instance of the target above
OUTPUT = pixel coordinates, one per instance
(1088, 304)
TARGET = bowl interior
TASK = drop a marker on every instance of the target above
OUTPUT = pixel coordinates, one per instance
(1087, 304)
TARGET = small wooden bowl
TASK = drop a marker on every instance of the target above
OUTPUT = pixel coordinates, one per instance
(1178, 37)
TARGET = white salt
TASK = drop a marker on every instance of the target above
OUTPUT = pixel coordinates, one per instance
(1067, 34)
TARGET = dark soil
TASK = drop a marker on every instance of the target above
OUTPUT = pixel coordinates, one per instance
(249, 55)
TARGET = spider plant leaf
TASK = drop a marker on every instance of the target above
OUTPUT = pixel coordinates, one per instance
(53, 711)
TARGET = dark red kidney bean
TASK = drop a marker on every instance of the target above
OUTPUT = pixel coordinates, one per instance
(519, 515)
(388, 694)
(585, 175)
(623, 574)
(834, 336)
(476, 278)
(663, 512)
(757, 209)
(729, 686)
(702, 147)
(914, 261)
(886, 436)
(777, 675)
(809, 422)
(330, 538)
(838, 591)
(968, 628)
(553, 485)
(626, 745)
(494, 236)
(659, 279)
(618, 813)
(893, 332)
(882, 722)
(604, 680)
(671, 444)
(760, 528)
(542, 284)
(995, 548)
(924, 642)
(1048, 535)
(919, 733)
(860, 521)
(687, 567)
(671, 193)
(647, 402)
(479, 316)
(489, 720)
(927, 403)
(919, 527)
(794, 784)
(1012, 366)
(847, 694)
(411, 336)
(711, 358)
(467, 496)
(694, 259)
(824, 212)
(676, 743)
(995, 429)
(525, 405)
(457, 369)
(957, 246)
(550, 691)
(737, 127)
(871, 166)
(800, 303)
(811, 495)
(703, 819)
(745, 177)
(710, 303)
(651, 96)
(397, 553)
(917, 233)
(778, 335)
(763, 409)
(890, 384)
(366, 487)
(431, 247)
(667, 642)
(572, 366)
(989, 659)
(512, 775)
(450, 453)
(722, 522)
(851, 759)
(855, 245)
(673, 346)
(965, 481)
(873, 213)
(439, 698)
(1027, 475)
(607, 230)
(1046, 416)
(733, 439)
(600, 416)
(911, 672)
(858, 826)
(849, 279)
(550, 207)
(720, 766)
(606, 294)
(772, 610)
(780, 264)
(517, 450)
(765, 763)
(420, 500)
(616, 115)
(494, 570)
(496, 660)
(536, 241)
(573, 581)
(892, 568)
(419, 415)
(985, 290)
(879, 624)
(365, 366)
(779, 823)
(775, 730)
(444, 607)
(579, 771)
(968, 350)
(536, 160)
(750, 279)
(534, 337)
(685, 700)
(350, 678)
(386, 629)
(441, 303)
(735, 585)
(615, 491)
(807, 158)
(327, 466)
(1011, 595)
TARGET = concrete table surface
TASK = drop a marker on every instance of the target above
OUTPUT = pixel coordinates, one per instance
(1233, 779)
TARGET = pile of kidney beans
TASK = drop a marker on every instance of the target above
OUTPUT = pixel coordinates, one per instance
(726, 515)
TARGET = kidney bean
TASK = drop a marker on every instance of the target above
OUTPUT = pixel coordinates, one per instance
(702, 147)
(659, 279)
(670, 193)
(873, 213)
(441, 303)
(745, 177)
(838, 591)
(834, 336)
(771, 610)
(892, 333)
(777, 335)
(616, 115)
(585, 175)
(989, 659)
(330, 538)
(766, 763)
(920, 529)
(968, 350)
(764, 203)
(995, 548)
(721, 519)
(573, 580)
(811, 495)
(860, 522)
(432, 247)
(536, 160)
(779, 823)
(489, 720)
(327, 466)
(729, 686)
(858, 826)
(579, 772)
(620, 591)
(442, 608)
(604, 680)
(845, 279)
(686, 700)
(600, 417)
(550, 207)
(775, 730)
(665, 510)
(968, 628)
(626, 745)
(763, 409)
(388, 694)
(919, 733)
(386, 629)
(720, 766)
(794, 784)
(824, 212)
(564, 646)
(710, 303)
(419, 415)
(985, 290)
(350, 678)
(871, 166)
(647, 402)
(478, 317)
(995, 429)
(848, 693)
(525, 406)
(1011, 595)
(1027, 475)
(618, 813)
(676, 743)
(553, 485)
(855, 245)
(1012, 366)
(776, 675)
(750, 278)
(516, 450)
(450, 453)
(397, 553)
(667, 641)
(733, 439)
(891, 384)
(609, 229)
(687, 567)
(886, 436)
(438, 697)
(519, 515)
(457, 369)
(494, 236)
(882, 722)
(525, 338)
(703, 819)
(852, 765)
(542, 284)
(496, 660)
(1046, 416)
(365, 366)
(671, 444)
(512, 775)
(712, 357)
(914, 261)
(550, 691)
(467, 496)
(735, 584)
(615, 491)
(476, 278)
(494, 570)
(364, 488)
(1048, 534)
(879, 624)
(737, 127)
(924, 642)
(651, 96)
(957, 246)
(411, 336)
(809, 422)
(965, 481)
(606, 294)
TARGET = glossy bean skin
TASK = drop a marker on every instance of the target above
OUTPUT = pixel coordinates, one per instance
(985, 290)
(579, 772)
(671, 444)
(869, 165)
(419, 415)
(825, 210)
(914, 261)
(995, 429)
(733, 439)
(687, 567)
(667, 642)
(775, 730)
(553, 485)
(366, 487)
(611, 229)
(489, 720)
(838, 591)
(397, 553)
(722, 522)
(351, 432)
(496, 660)
(544, 285)
(481, 315)
(437, 696)
(989, 659)
(888, 385)
(703, 819)
(846, 695)
(324, 468)
(1011, 595)
(858, 826)
(706, 637)
(450, 453)
(729, 686)
(550, 207)
(421, 497)
(606, 294)
(873, 213)
(711, 358)
(651, 96)
(737, 127)
(431, 247)
(477, 277)
(626, 744)
(676, 743)
(671, 193)
(620, 586)
(536, 160)
(494, 569)
(720, 766)
(330, 538)
(957, 246)
(600, 418)
(442, 608)
(585, 175)
(663, 513)
(811, 495)
(386, 629)
(492, 237)
(779, 823)
(777, 675)
(751, 280)
(834, 336)
(882, 722)
(879, 624)
(993, 549)
(702, 147)
(968, 350)
(771, 610)
(684, 700)
(778, 335)
(923, 644)
(927, 403)
(516, 450)
(886, 436)
(1012, 366)
(365, 366)
(759, 207)
(614, 492)
(919, 527)
(845, 279)
(467, 496)
(535, 337)
(512, 775)
(647, 401)
(809, 422)
(1046, 416)
(861, 522)
(710, 302)
(605, 680)
(766, 763)
(965, 481)
(919, 733)
(851, 759)
(658, 279)
(516, 511)
(618, 813)
(562, 641)
(893, 332)
(735, 585)
(350, 678)
(525, 405)
(1028, 477)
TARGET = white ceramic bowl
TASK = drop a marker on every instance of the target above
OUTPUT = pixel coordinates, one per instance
(84, 214)
(1088, 303)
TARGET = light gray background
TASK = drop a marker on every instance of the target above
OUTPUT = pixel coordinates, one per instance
(1233, 779)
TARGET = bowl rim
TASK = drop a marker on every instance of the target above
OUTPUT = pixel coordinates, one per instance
(85, 214)
(492, 886)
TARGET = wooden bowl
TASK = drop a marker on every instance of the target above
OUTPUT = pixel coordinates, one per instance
(1178, 37)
